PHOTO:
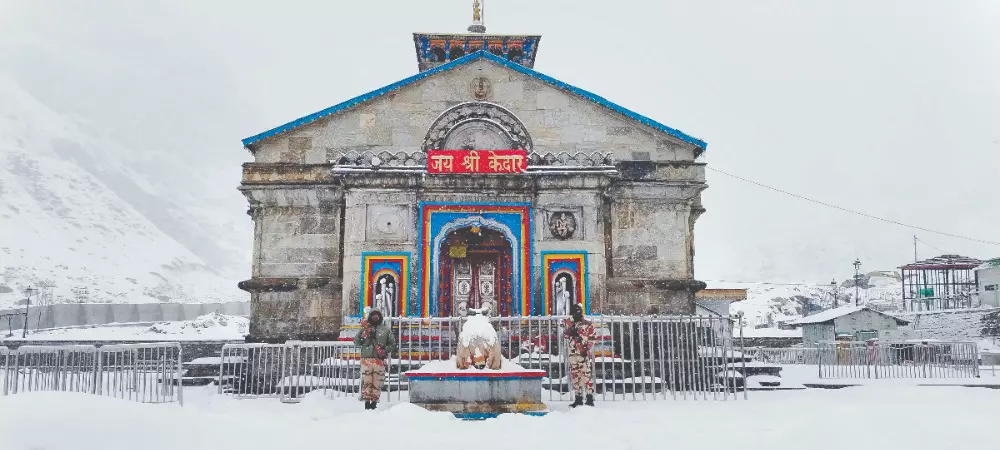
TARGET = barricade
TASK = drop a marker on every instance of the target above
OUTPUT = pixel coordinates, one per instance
(878, 360)
(636, 358)
(147, 373)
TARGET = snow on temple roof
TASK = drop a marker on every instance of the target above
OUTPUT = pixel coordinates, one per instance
(834, 313)
(363, 98)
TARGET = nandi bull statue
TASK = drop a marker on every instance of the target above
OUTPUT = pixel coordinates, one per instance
(478, 344)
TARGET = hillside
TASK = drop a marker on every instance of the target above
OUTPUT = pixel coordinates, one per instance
(770, 303)
(76, 218)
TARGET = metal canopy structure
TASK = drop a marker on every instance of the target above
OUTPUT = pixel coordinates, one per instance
(943, 282)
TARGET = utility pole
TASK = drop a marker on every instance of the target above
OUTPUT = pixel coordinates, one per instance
(857, 282)
(27, 304)
(914, 248)
(833, 287)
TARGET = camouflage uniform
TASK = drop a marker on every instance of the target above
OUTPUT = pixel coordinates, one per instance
(581, 358)
(376, 345)
(372, 375)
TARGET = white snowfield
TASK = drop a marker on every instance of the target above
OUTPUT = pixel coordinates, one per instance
(861, 418)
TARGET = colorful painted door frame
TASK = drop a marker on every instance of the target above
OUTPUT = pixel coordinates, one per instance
(437, 219)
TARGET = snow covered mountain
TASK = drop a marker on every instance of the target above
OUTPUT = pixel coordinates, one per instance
(73, 216)
(771, 303)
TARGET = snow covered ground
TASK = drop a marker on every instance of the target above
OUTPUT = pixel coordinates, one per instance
(213, 326)
(907, 418)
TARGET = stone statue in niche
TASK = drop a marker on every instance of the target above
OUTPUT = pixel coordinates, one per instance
(562, 225)
(385, 296)
(563, 296)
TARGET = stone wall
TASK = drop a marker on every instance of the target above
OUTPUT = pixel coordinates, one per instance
(296, 284)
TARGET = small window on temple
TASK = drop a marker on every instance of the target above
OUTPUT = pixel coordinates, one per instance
(437, 54)
(457, 52)
(497, 51)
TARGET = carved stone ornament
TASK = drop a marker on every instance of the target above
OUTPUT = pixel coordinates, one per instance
(483, 125)
(562, 224)
(480, 88)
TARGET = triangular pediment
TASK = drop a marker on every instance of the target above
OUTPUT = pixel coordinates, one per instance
(560, 117)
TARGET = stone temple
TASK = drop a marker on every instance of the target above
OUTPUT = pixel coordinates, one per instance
(476, 183)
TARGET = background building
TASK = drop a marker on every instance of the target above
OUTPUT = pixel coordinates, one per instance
(944, 282)
(988, 279)
(860, 322)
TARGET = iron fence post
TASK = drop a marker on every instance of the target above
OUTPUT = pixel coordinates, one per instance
(819, 360)
(742, 357)
(98, 375)
(180, 374)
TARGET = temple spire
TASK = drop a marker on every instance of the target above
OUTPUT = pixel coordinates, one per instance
(477, 18)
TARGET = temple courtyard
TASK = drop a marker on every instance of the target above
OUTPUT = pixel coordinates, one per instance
(866, 417)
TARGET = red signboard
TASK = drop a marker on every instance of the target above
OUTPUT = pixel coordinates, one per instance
(477, 161)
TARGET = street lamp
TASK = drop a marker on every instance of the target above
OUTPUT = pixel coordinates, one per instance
(833, 287)
(857, 282)
(28, 293)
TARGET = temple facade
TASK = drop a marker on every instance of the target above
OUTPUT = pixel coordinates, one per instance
(477, 183)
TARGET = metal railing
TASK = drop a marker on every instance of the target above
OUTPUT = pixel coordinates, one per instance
(288, 370)
(636, 358)
(790, 355)
(147, 373)
(898, 360)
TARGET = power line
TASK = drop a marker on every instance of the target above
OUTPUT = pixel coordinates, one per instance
(929, 245)
(859, 213)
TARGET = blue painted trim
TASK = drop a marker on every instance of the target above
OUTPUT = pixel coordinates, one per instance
(484, 416)
(463, 60)
(585, 269)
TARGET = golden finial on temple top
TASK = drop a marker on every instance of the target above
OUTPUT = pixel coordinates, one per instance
(477, 18)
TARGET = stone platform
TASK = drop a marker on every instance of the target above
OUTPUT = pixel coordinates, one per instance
(478, 394)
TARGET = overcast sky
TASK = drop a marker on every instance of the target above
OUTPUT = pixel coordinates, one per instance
(887, 107)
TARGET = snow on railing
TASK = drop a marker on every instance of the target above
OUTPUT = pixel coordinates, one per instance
(146, 373)
(635, 358)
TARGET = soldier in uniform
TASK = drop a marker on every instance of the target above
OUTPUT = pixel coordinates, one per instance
(580, 333)
(376, 342)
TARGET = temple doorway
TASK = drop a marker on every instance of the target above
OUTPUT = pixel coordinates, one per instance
(475, 272)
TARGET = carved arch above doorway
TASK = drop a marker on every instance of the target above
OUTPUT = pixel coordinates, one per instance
(488, 122)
